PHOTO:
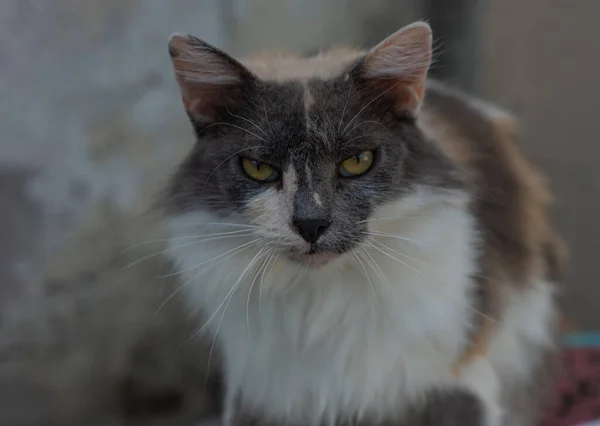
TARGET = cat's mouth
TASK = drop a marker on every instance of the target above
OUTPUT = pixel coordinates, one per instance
(313, 259)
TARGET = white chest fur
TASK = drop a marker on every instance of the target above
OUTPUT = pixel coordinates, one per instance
(358, 337)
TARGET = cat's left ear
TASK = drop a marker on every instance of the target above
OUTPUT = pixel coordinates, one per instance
(208, 78)
(398, 66)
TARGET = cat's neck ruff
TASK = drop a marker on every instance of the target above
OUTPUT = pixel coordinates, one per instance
(356, 338)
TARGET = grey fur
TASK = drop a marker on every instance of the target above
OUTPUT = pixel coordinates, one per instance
(269, 121)
(451, 407)
(306, 128)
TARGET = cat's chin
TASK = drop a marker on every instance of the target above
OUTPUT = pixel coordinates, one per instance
(314, 260)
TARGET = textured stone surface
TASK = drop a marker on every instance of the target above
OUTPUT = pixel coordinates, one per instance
(92, 124)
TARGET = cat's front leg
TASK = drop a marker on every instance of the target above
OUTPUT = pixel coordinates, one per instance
(479, 377)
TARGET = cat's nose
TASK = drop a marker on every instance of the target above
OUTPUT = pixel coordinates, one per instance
(311, 229)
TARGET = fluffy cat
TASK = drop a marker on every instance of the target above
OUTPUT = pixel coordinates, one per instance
(361, 239)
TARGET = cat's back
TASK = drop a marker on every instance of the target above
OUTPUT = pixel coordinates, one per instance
(511, 199)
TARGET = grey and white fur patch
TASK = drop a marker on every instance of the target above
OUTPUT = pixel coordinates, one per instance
(397, 294)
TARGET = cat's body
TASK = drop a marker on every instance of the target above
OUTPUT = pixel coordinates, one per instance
(436, 266)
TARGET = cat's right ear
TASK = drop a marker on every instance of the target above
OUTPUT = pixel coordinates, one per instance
(208, 78)
(398, 66)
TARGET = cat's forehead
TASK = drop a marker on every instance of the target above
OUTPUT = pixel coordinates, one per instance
(308, 104)
(311, 91)
(304, 111)
(278, 67)
(311, 120)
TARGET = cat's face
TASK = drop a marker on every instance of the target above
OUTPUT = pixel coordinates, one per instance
(305, 162)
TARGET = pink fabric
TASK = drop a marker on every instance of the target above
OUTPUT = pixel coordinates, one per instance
(577, 399)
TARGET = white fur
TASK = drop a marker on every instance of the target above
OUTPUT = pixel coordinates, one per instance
(309, 99)
(525, 330)
(480, 377)
(340, 341)
(317, 198)
(515, 351)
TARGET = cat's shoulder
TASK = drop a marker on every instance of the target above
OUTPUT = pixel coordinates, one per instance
(511, 195)
(448, 105)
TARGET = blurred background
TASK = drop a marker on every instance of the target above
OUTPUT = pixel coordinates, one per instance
(91, 125)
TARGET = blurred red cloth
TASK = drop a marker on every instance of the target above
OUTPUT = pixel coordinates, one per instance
(577, 398)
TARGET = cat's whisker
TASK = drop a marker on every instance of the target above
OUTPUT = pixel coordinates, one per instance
(196, 242)
(371, 122)
(370, 244)
(249, 243)
(370, 260)
(386, 247)
(229, 158)
(225, 302)
(176, 292)
(212, 346)
(235, 126)
(386, 235)
(415, 243)
(362, 265)
(354, 139)
(187, 237)
(203, 223)
(214, 224)
(262, 281)
(440, 287)
(191, 280)
(345, 106)
(246, 120)
(368, 104)
(391, 218)
(267, 118)
(262, 266)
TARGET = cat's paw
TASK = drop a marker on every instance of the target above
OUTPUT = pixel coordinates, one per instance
(451, 407)
(481, 379)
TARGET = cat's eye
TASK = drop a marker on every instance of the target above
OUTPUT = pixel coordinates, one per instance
(259, 171)
(357, 164)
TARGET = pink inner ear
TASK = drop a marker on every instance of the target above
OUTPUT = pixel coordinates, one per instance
(191, 106)
(404, 54)
(409, 98)
(400, 64)
(207, 77)
(201, 107)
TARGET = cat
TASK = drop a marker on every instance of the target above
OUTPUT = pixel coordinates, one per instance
(359, 237)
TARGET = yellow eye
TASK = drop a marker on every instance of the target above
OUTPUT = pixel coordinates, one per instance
(259, 171)
(357, 165)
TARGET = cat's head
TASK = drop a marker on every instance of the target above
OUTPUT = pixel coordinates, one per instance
(305, 150)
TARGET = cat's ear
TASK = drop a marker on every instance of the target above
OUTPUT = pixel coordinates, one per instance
(398, 66)
(208, 78)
